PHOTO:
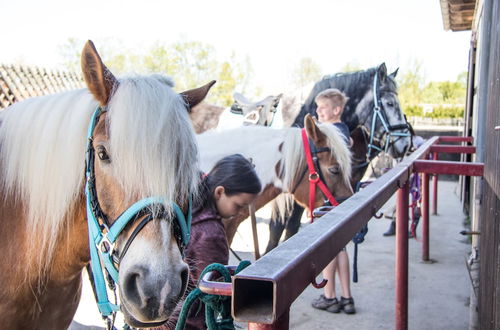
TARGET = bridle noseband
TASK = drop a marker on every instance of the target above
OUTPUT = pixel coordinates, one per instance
(103, 234)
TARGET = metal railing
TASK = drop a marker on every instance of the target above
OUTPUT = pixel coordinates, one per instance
(263, 292)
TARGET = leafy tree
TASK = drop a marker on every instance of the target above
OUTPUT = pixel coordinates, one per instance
(351, 67)
(190, 63)
(410, 85)
(307, 71)
(70, 54)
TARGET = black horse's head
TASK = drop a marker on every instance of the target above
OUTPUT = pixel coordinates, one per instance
(373, 102)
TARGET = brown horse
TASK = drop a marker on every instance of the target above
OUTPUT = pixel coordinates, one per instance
(280, 163)
(144, 146)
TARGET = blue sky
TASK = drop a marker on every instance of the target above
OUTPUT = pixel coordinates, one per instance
(274, 34)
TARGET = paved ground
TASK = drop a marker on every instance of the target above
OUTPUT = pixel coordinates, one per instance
(439, 292)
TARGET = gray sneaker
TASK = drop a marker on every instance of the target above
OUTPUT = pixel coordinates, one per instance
(347, 304)
(324, 303)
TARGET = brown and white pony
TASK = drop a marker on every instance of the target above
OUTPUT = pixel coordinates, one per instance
(280, 163)
(144, 146)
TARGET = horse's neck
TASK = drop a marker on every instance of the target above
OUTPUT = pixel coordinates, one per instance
(51, 298)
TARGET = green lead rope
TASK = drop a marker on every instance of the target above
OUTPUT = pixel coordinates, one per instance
(217, 308)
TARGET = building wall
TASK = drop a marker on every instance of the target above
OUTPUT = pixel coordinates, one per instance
(489, 144)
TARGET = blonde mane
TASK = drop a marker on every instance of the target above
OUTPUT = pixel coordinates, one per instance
(43, 143)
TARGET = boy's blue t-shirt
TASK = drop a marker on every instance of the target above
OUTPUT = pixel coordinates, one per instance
(344, 130)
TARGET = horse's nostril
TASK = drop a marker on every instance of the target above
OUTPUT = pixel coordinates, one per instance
(184, 279)
(131, 289)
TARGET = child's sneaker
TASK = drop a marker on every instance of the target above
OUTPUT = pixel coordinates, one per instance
(347, 304)
(324, 303)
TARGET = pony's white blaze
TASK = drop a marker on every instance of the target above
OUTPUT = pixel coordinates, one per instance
(163, 260)
(262, 145)
(43, 144)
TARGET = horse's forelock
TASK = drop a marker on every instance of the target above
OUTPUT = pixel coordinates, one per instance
(152, 142)
(339, 149)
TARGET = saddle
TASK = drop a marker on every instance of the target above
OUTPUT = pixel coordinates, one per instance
(241, 102)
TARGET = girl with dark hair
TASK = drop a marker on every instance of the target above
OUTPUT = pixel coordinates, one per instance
(227, 189)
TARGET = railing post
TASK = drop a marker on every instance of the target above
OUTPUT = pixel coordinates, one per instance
(402, 257)
(435, 188)
(425, 216)
(282, 323)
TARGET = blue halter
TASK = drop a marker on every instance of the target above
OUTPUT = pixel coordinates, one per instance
(378, 114)
(103, 236)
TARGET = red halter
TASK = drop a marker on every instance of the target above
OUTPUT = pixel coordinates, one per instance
(314, 178)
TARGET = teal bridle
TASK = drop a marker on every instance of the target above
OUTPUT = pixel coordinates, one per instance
(390, 131)
(103, 234)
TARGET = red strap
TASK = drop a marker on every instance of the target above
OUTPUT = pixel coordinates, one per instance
(314, 178)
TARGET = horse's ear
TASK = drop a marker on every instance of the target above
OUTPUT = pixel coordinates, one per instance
(382, 72)
(100, 81)
(313, 130)
(195, 96)
(276, 100)
(394, 74)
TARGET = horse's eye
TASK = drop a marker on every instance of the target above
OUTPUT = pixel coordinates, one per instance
(102, 154)
(335, 169)
(390, 104)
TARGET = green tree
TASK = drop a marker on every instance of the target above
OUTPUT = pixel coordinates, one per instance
(307, 71)
(189, 63)
(410, 85)
(352, 66)
(117, 58)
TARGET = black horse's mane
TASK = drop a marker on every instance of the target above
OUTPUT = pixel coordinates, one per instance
(353, 84)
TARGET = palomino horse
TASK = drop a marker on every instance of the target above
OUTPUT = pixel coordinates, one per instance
(373, 105)
(145, 146)
(280, 162)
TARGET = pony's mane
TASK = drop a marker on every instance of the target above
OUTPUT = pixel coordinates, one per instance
(43, 143)
(294, 157)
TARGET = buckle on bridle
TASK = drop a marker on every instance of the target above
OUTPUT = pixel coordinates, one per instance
(106, 246)
(314, 177)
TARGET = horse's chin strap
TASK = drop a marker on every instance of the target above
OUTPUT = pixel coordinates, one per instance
(103, 234)
(389, 130)
(315, 179)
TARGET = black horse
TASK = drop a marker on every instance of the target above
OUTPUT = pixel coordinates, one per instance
(373, 103)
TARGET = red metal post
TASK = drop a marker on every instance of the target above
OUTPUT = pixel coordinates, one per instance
(402, 257)
(283, 322)
(425, 216)
(434, 189)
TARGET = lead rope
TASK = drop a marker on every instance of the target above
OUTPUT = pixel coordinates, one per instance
(358, 239)
(214, 304)
(416, 198)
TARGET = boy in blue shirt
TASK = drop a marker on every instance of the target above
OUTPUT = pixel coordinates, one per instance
(331, 104)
